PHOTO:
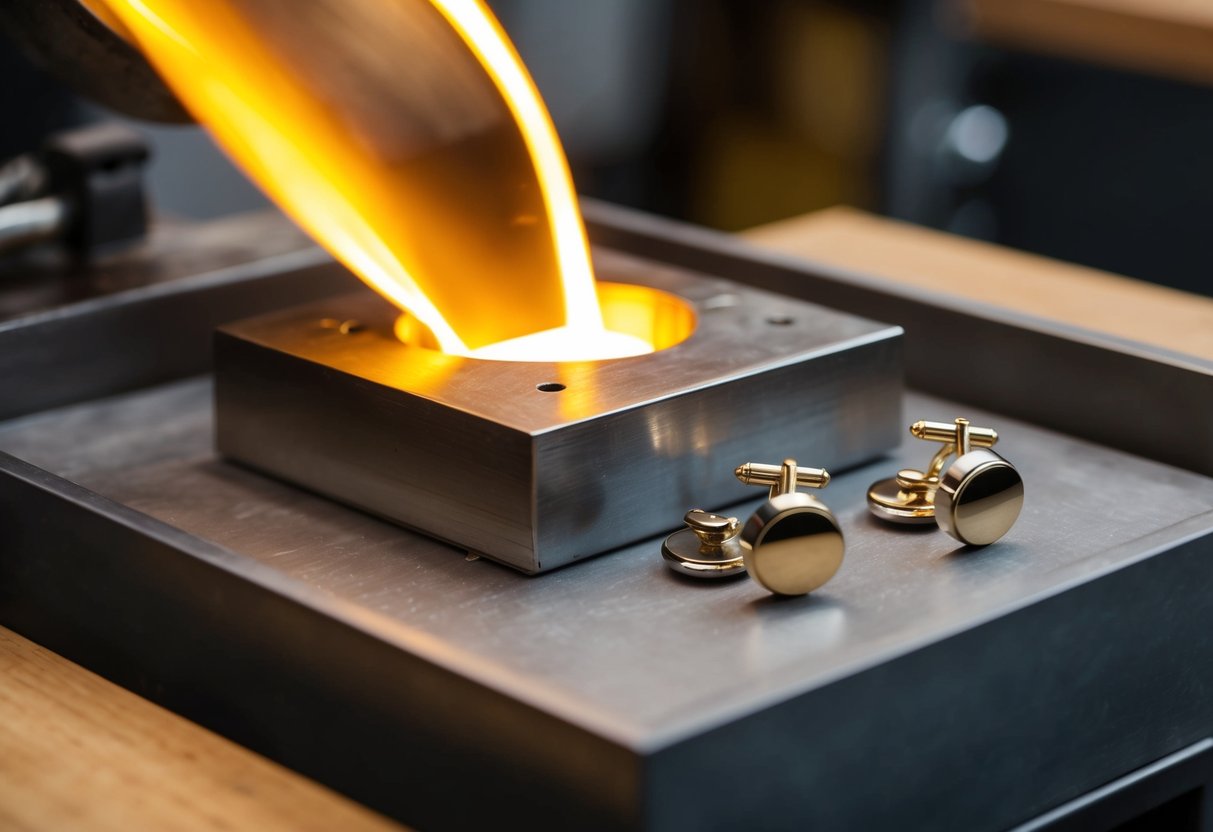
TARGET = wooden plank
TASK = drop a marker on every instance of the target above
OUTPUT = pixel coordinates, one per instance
(998, 276)
(1163, 37)
(77, 752)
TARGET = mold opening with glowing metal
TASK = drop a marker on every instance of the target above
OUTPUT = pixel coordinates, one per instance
(539, 464)
(637, 320)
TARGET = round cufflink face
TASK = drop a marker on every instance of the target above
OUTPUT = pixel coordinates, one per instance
(979, 498)
(792, 545)
(684, 552)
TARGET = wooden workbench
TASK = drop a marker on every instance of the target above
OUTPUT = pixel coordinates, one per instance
(1172, 38)
(78, 752)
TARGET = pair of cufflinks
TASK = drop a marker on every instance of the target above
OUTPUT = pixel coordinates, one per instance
(793, 544)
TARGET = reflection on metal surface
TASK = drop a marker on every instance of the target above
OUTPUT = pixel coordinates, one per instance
(792, 544)
(976, 500)
(707, 548)
(569, 459)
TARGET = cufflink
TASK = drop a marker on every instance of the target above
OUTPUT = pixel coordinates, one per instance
(976, 499)
(792, 544)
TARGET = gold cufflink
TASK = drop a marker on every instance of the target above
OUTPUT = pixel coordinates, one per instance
(792, 544)
(707, 548)
(976, 500)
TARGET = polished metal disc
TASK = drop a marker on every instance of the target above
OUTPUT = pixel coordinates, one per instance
(684, 553)
(979, 498)
(888, 501)
(792, 544)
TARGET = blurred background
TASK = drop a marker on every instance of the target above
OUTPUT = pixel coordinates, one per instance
(1078, 129)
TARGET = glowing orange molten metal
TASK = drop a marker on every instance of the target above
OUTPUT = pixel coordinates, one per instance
(407, 138)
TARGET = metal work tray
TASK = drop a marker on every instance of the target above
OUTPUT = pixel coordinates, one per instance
(926, 686)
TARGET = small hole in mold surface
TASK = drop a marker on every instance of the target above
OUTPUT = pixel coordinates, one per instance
(780, 320)
(549, 387)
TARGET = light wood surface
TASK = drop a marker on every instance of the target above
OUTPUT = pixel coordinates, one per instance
(998, 276)
(79, 753)
(1163, 37)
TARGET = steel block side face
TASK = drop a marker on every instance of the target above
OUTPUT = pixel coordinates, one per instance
(399, 456)
(629, 475)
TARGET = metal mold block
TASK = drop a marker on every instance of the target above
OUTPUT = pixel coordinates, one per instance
(478, 453)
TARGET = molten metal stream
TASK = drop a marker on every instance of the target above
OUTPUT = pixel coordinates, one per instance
(407, 138)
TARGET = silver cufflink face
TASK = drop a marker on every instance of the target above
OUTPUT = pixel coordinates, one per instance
(976, 499)
(791, 545)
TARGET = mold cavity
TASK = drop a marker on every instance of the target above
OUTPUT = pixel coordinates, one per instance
(649, 319)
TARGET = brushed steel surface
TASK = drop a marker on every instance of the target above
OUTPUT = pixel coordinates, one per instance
(477, 453)
(1185, 776)
(582, 642)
